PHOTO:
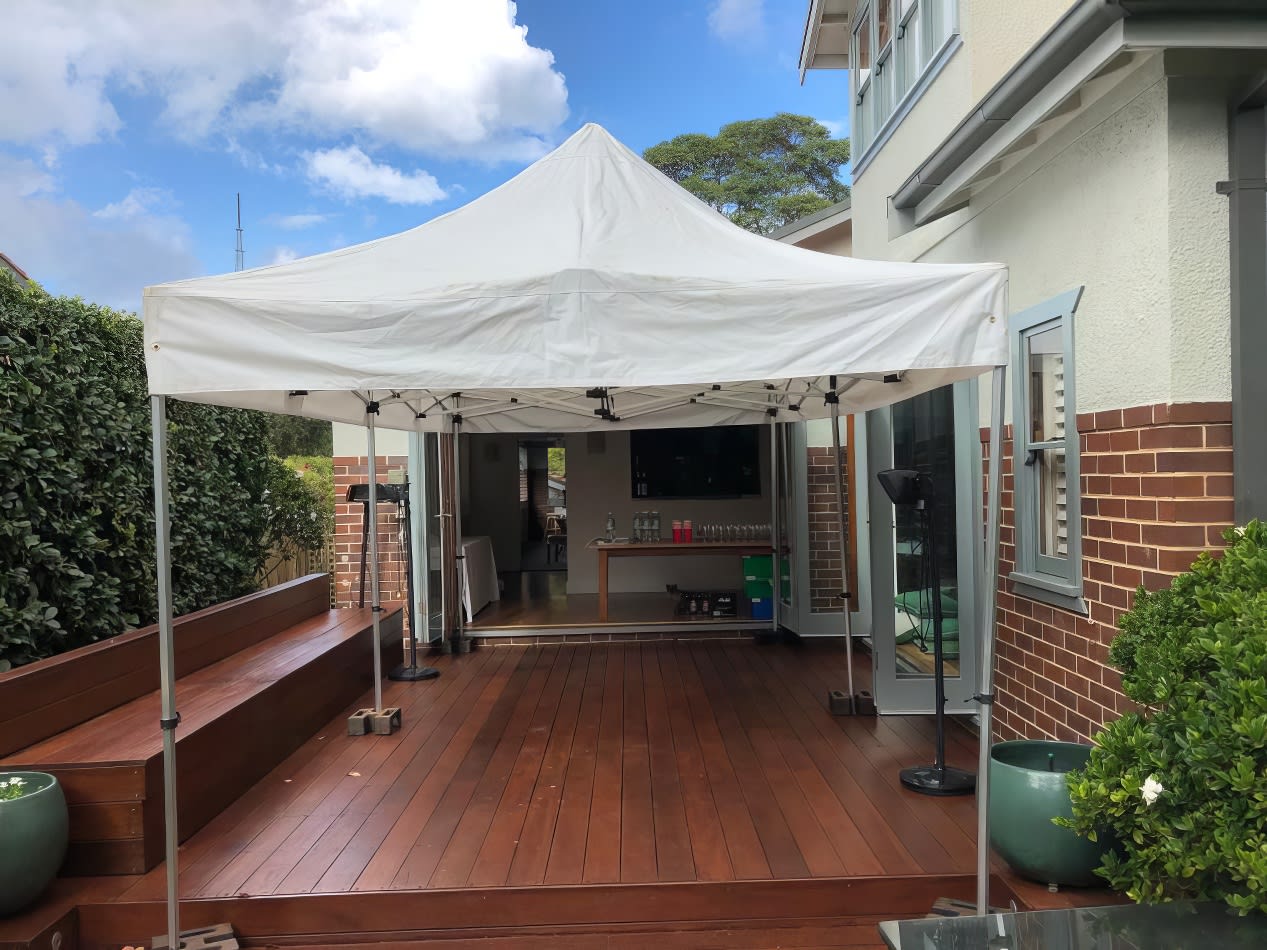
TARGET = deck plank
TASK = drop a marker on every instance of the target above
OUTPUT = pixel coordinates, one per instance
(536, 832)
(566, 861)
(602, 845)
(492, 862)
(637, 821)
(777, 840)
(674, 861)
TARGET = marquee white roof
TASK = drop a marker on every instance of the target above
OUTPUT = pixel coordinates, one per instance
(589, 274)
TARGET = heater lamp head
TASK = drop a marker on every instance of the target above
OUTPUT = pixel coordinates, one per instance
(905, 486)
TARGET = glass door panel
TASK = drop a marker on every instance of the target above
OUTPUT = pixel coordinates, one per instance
(934, 434)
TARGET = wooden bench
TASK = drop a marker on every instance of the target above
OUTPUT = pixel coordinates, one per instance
(257, 676)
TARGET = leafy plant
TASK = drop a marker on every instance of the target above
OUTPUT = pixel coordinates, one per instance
(76, 491)
(1182, 782)
(300, 504)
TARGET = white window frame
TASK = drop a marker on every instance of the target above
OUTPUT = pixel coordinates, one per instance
(1053, 580)
(870, 128)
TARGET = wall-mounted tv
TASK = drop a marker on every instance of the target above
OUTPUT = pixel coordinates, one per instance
(718, 462)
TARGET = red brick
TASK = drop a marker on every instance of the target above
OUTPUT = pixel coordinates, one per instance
(1098, 442)
(1141, 509)
(1198, 510)
(1126, 531)
(1215, 460)
(1174, 535)
(1172, 437)
(1176, 561)
(1137, 416)
(1201, 412)
(1141, 462)
(1161, 413)
(1111, 464)
(1128, 577)
(1126, 440)
(1219, 486)
(1140, 556)
(1108, 419)
(1085, 421)
(1126, 485)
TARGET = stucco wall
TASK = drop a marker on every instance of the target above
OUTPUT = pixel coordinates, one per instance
(1199, 259)
(350, 440)
(998, 32)
(1122, 201)
(837, 241)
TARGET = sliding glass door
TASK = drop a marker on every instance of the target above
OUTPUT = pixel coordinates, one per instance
(935, 434)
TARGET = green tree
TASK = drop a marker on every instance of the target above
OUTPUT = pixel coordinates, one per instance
(556, 461)
(295, 435)
(760, 173)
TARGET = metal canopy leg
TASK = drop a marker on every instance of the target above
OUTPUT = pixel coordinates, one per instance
(990, 582)
(842, 541)
(166, 660)
(459, 550)
(776, 579)
(379, 720)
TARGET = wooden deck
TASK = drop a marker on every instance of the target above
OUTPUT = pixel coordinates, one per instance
(675, 761)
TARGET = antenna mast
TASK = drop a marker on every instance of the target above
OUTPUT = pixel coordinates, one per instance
(239, 262)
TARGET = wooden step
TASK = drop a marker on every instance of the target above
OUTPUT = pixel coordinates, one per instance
(743, 914)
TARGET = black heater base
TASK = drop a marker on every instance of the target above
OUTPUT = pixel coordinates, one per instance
(412, 674)
(930, 780)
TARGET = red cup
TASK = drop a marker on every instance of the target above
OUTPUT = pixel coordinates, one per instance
(687, 533)
(677, 532)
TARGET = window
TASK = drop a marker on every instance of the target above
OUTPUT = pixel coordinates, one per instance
(895, 43)
(1045, 460)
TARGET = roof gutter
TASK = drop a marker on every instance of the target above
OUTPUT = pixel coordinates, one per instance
(1058, 47)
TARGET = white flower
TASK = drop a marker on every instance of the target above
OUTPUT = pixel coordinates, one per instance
(4, 784)
(1240, 531)
(1152, 790)
(17, 781)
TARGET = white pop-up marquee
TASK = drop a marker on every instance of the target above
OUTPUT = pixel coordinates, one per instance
(588, 292)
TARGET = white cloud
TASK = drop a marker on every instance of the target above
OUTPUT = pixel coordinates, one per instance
(737, 20)
(440, 76)
(297, 222)
(135, 204)
(283, 255)
(69, 249)
(351, 174)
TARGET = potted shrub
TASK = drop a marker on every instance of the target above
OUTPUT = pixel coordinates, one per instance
(1182, 781)
(33, 834)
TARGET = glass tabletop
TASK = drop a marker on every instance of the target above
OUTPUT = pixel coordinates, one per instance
(1177, 926)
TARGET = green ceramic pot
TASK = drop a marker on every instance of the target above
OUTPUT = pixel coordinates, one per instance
(33, 834)
(1027, 790)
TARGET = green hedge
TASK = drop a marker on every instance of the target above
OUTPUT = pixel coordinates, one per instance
(76, 508)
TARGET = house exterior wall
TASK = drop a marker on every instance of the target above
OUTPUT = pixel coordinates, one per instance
(1121, 200)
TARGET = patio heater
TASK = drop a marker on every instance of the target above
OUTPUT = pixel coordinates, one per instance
(906, 487)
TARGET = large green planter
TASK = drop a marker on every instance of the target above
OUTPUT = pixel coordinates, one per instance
(33, 834)
(1028, 788)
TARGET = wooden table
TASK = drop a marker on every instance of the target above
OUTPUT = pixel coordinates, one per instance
(668, 549)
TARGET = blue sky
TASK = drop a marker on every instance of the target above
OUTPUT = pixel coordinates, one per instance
(128, 126)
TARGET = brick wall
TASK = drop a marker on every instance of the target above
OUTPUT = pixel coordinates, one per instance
(824, 544)
(1156, 491)
(353, 470)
